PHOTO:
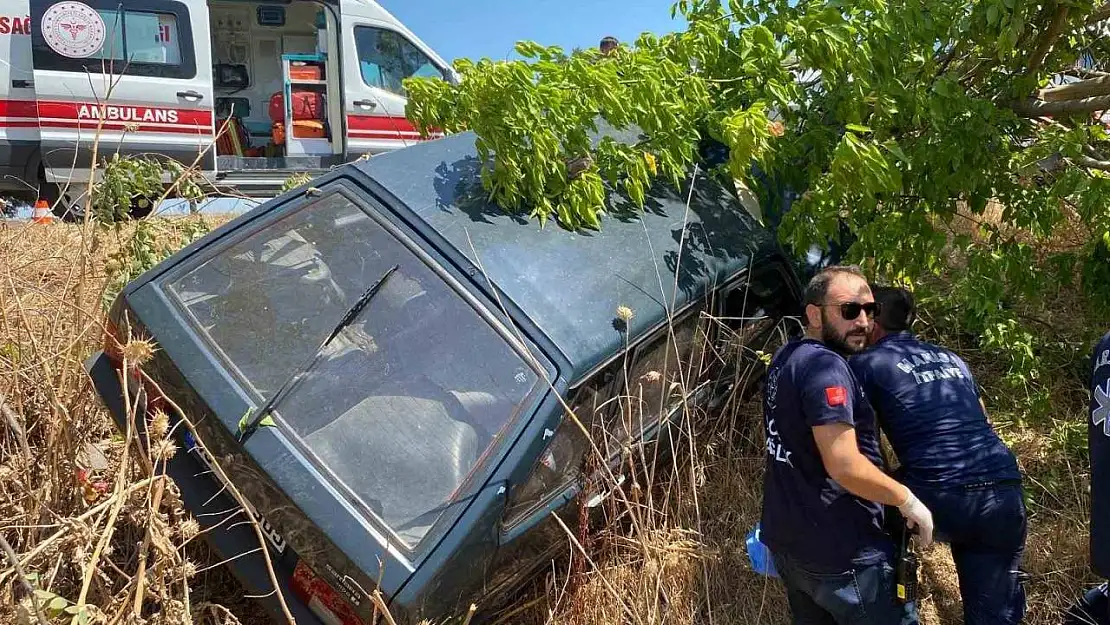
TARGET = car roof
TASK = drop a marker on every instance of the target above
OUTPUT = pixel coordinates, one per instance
(570, 284)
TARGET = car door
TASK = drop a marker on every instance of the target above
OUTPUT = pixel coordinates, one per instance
(378, 54)
(19, 131)
(126, 76)
(530, 535)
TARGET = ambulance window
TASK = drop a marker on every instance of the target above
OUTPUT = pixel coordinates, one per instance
(386, 58)
(138, 42)
(151, 38)
(140, 37)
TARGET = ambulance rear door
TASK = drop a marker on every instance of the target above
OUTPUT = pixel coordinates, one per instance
(127, 76)
(378, 53)
(19, 131)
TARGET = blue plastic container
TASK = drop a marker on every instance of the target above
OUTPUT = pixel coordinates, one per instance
(758, 553)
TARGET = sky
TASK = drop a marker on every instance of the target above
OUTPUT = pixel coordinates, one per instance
(478, 28)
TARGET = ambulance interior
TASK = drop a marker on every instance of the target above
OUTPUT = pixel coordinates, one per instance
(253, 70)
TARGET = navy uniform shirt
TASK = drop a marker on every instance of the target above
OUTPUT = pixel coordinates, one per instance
(1098, 439)
(928, 404)
(807, 515)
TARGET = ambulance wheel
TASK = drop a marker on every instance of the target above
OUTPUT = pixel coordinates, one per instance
(67, 201)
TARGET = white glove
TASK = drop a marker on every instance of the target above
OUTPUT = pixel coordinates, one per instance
(917, 515)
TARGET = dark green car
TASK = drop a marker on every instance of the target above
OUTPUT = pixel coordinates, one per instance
(381, 362)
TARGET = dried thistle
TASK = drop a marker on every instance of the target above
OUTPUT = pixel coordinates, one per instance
(138, 352)
(159, 423)
(625, 314)
(651, 376)
(189, 569)
(165, 449)
(189, 529)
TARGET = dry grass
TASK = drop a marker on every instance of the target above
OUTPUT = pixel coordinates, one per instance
(679, 559)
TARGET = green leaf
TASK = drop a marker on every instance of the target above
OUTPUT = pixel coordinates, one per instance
(58, 604)
(992, 15)
(245, 420)
(894, 149)
(44, 595)
(858, 128)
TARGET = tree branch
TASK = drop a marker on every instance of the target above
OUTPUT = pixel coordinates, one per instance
(1083, 72)
(1048, 39)
(1036, 108)
(1091, 163)
(1076, 90)
(1099, 14)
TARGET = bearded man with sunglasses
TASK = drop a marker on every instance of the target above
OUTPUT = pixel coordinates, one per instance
(929, 406)
(823, 488)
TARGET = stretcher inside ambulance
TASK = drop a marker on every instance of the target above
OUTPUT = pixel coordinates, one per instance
(247, 92)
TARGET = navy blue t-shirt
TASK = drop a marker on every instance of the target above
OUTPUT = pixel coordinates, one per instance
(928, 405)
(1098, 440)
(807, 515)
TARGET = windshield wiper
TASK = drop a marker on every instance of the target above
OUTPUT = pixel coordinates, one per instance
(348, 317)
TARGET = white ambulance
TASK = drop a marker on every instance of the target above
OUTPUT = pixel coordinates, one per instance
(306, 85)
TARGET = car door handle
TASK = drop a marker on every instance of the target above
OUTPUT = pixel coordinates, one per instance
(23, 84)
(190, 95)
(370, 104)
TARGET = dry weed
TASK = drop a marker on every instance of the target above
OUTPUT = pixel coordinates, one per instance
(94, 531)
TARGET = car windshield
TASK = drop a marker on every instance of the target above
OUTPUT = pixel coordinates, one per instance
(404, 403)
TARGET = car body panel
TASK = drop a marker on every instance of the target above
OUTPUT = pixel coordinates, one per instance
(632, 261)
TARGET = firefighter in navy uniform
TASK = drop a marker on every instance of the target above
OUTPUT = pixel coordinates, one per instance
(1094, 607)
(823, 489)
(928, 404)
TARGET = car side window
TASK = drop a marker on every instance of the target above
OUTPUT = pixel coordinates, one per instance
(663, 370)
(562, 461)
(750, 311)
(154, 39)
(661, 367)
(386, 58)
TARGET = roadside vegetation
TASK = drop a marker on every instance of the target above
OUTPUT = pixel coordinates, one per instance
(102, 539)
(926, 138)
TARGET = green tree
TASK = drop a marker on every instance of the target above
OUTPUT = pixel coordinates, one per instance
(934, 135)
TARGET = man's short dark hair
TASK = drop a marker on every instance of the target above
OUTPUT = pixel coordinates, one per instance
(818, 287)
(897, 309)
(610, 40)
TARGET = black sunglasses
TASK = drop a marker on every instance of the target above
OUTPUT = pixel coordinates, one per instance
(851, 310)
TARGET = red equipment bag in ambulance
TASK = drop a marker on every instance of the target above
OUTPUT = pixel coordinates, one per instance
(306, 105)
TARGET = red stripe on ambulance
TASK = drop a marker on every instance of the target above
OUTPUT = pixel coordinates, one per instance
(19, 108)
(82, 111)
(90, 116)
(383, 127)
